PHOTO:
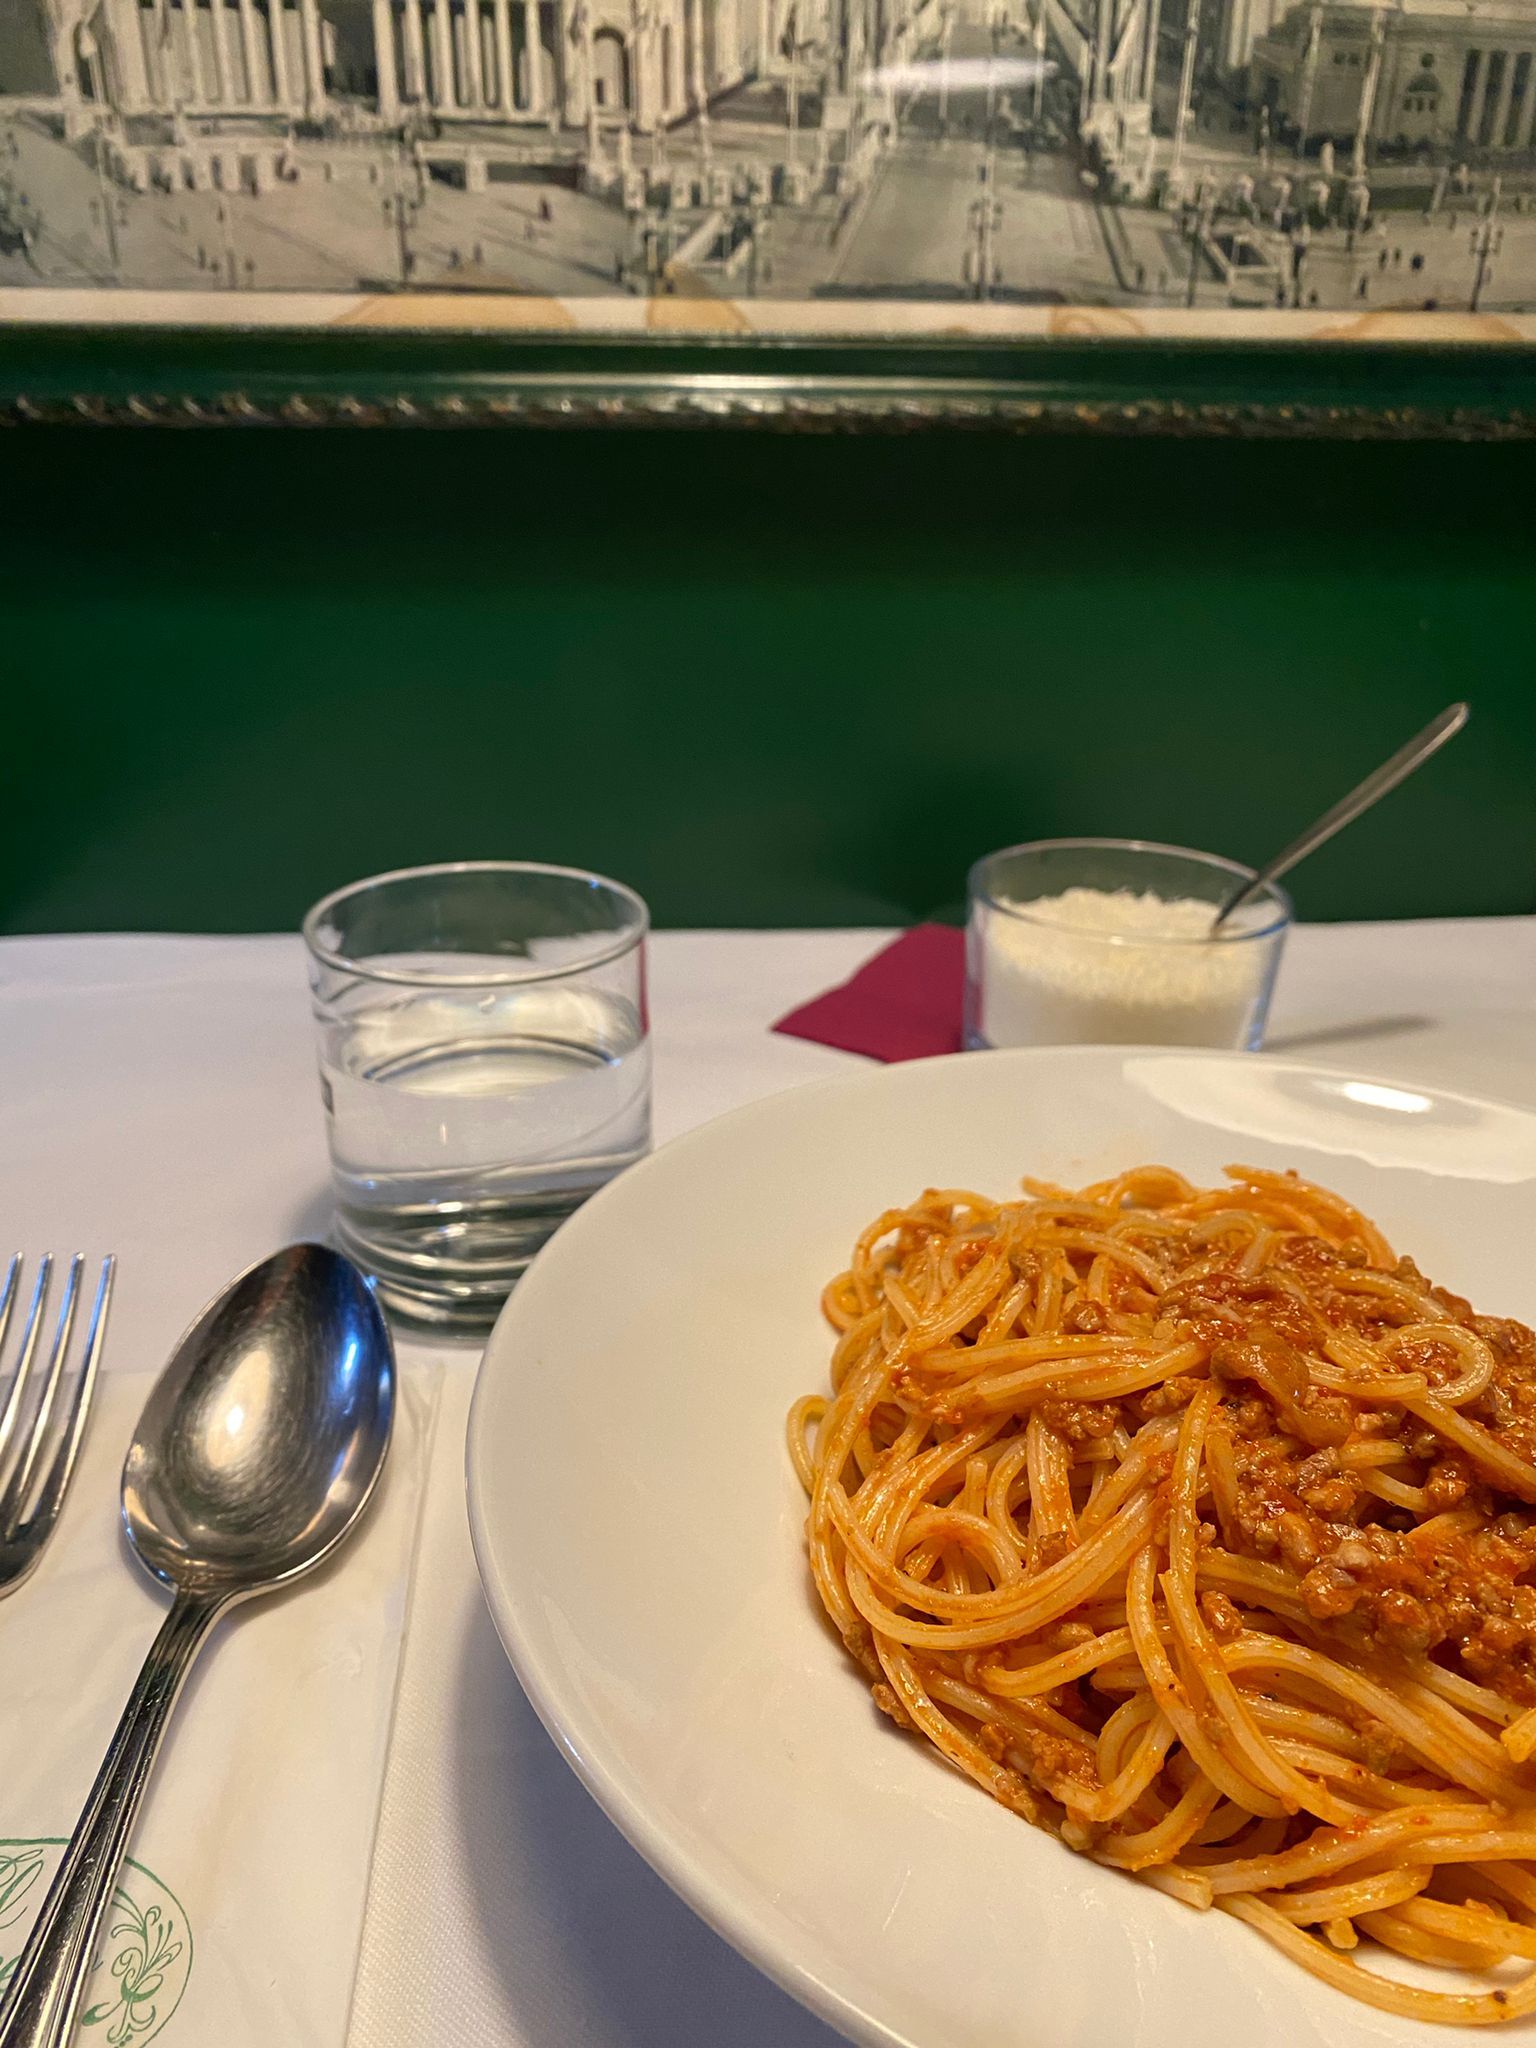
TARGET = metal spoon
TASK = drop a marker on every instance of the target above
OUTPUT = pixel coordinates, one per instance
(254, 1457)
(1348, 808)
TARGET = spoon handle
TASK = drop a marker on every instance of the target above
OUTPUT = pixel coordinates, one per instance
(40, 2008)
(1375, 786)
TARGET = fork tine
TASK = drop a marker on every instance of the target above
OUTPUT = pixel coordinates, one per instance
(60, 1472)
(14, 1499)
(28, 1347)
(12, 1279)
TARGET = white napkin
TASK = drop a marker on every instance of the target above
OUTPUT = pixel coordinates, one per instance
(239, 1918)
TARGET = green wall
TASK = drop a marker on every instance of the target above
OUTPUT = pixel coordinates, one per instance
(766, 679)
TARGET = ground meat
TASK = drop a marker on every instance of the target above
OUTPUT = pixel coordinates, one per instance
(1250, 1418)
(1456, 1594)
(1086, 1318)
(1408, 1623)
(1447, 1484)
(1268, 1469)
(1379, 1422)
(994, 1738)
(1221, 1617)
(1279, 1370)
(1248, 1304)
(1509, 1402)
(1298, 1541)
(1329, 1591)
(1054, 1759)
(888, 1703)
(1010, 1789)
(1361, 1567)
(1169, 1397)
(1080, 1422)
(1310, 1258)
(860, 1646)
(1332, 1498)
(1501, 1650)
(1321, 1465)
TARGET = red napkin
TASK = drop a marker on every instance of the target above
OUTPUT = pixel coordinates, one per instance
(902, 1005)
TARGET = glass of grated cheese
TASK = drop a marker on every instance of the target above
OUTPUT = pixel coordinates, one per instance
(1108, 942)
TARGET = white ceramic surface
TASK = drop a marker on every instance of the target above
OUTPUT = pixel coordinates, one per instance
(638, 1530)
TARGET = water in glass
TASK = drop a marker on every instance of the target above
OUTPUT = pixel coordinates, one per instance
(465, 1125)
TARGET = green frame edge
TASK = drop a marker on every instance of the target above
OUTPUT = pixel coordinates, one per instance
(369, 377)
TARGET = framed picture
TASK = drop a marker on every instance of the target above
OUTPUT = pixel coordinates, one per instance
(1204, 215)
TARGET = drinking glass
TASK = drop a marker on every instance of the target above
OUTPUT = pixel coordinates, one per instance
(485, 1065)
(1109, 942)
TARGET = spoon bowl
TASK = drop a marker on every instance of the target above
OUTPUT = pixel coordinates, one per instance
(266, 1433)
(254, 1456)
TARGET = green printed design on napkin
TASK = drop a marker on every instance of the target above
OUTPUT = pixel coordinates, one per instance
(145, 1958)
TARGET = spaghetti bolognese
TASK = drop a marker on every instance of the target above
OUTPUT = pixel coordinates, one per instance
(1198, 1527)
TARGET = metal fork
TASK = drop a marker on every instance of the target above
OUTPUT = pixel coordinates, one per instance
(32, 1492)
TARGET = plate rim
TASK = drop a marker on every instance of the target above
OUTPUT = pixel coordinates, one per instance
(666, 1852)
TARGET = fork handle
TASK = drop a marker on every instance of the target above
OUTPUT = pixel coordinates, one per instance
(50, 1977)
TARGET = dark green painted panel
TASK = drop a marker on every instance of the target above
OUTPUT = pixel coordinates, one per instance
(766, 679)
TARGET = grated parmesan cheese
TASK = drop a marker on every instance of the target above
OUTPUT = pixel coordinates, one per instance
(1096, 966)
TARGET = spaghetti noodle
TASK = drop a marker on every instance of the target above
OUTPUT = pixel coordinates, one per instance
(1199, 1528)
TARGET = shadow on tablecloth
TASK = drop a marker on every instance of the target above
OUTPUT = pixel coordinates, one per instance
(587, 1943)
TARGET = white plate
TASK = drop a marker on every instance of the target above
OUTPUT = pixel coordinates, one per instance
(638, 1529)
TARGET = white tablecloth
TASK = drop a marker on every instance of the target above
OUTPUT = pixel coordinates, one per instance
(158, 1098)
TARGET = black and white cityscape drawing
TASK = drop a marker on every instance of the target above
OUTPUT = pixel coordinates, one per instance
(1340, 155)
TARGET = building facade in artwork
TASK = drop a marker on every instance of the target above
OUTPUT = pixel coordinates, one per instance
(1422, 75)
(640, 64)
(1110, 47)
(1241, 23)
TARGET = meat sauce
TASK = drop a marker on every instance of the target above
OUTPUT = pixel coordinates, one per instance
(1441, 1570)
